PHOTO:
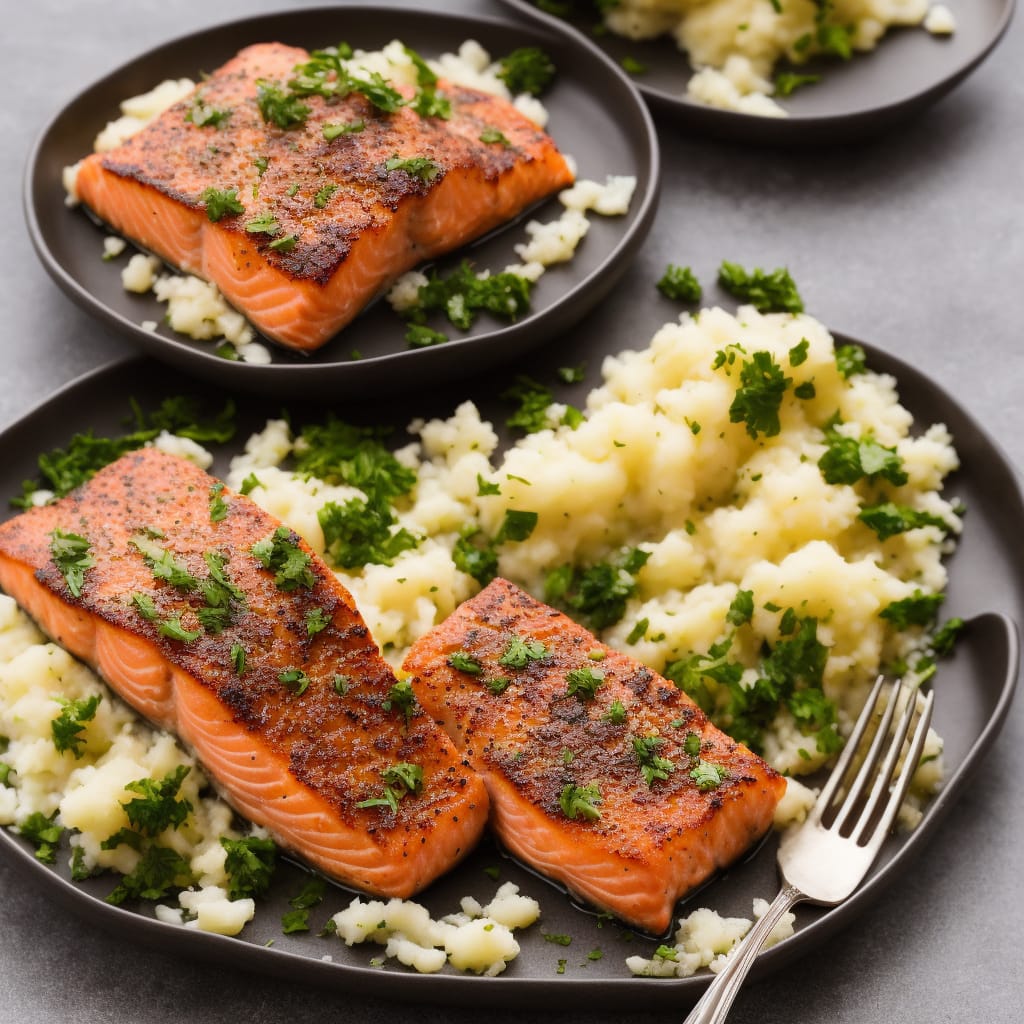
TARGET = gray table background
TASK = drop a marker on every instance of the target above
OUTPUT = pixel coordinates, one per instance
(914, 242)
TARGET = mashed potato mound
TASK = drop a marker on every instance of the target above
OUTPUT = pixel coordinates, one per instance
(734, 46)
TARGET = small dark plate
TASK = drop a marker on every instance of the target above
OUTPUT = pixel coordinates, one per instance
(909, 70)
(974, 691)
(597, 117)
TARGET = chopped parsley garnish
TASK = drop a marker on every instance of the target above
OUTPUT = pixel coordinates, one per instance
(264, 224)
(323, 196)
(493, 135)
(145, 606)
(534, 399)
(221, 203)
(341, 684)
(421, 167)
(944, 638)
(741, 610)
(261, 163)
(399, 781)
(218, 506)
(249, 484)
(527, 69)
(159, 870)
(64, 469)
(430, 103)
(462, 295)
(332, 130)
(849, 459)
(485, 487)
(284, 244)
(632, 66)
(44, 833)
(639, 631)
(294, 680)
(652, 766)
(850, 360)
(173, 629)
(920, 609)
(583, 683)
(402, 699)
(680, 284)
(238, 659)
(787, 82)
(708, 775)
(768, 291)
(598, 592)
(339, 453)
(578, 802)
(422, 336)
(297, 919)
(520, 652)
(202, 115)
(316, 621)
(517, 525)
(759, 395)
(465, 662)
(249, 865)
(360, 533)
(690, 672)
(70, 553)
(476, 556)
(281, 554)
(157, 807)
(616, 713)
(557, 940)
(325, 74)
(276, 106)
(498, 684)
(889, 519)
(67, 728)
(5, 773)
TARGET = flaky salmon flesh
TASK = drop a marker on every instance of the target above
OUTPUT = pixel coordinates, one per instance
(602, 775)
(217, 623)
(325, 225)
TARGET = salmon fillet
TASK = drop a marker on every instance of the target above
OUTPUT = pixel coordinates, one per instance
(344, 226)
(556, 722)
(177, 576)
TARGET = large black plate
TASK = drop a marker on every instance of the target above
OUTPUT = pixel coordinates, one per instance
(974, 692)
(909, 70)
(596, 116)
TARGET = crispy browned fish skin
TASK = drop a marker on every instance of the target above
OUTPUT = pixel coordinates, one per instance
(374, 225)
(296, 763)
(652, 843)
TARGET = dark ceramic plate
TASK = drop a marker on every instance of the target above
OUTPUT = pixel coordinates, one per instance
(596, 116)
(974, 690)
(909, 70)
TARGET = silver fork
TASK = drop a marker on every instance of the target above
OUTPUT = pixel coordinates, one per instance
(824, 859)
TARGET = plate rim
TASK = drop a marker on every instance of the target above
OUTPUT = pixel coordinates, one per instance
(193, 357)
(799, 128)
(523, 992)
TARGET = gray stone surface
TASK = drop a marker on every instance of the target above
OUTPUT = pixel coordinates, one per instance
(914, 242)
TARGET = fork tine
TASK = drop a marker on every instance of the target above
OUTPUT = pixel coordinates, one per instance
(851, 801)
(882, 778)
(845, 758)
(910, 764)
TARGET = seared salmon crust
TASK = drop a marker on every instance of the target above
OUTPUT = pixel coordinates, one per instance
(282, 694)
(537, 743)
(335, 225)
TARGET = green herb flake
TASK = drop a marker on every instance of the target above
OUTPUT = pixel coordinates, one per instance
(787, 82)
(44, 833)
(249, 864)
(67, 728)
(158, 806)
(173, 629)
(422, 336)
(72, 556)
(249, 484)
(850, 360)
(420, 167)
(848, 460)
(294, 680)
(920, 609)
(616, 713)
(485, 487)
(679, 284)
(708, 776)
(583, 683)
(520, 652)
(333, 130)
(527, 69)
(400, 780)
(264, 224)
(741, 610)
(889, 519)
(768, 291)
(639, 631)
(281, 554)
(202, 115)
(221, 203)
(497, 684)
(494, 136)
(323, 196)
(402, 699)
(557, 940)
(158, 871)
(218, 506)
(284, 244)
(652, 766)
(341, 684)
(759, 396)
(580, 802)
(462, 661)
(359, 533)
(238, 660)
(278, 107)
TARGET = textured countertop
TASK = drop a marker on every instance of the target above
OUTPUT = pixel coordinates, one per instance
(914, 242)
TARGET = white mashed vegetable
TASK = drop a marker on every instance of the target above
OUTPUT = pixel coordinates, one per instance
(197, 309)
(657, 463)
(736, 45)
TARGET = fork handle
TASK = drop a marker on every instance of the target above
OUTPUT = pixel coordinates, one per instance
(714, 1004)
